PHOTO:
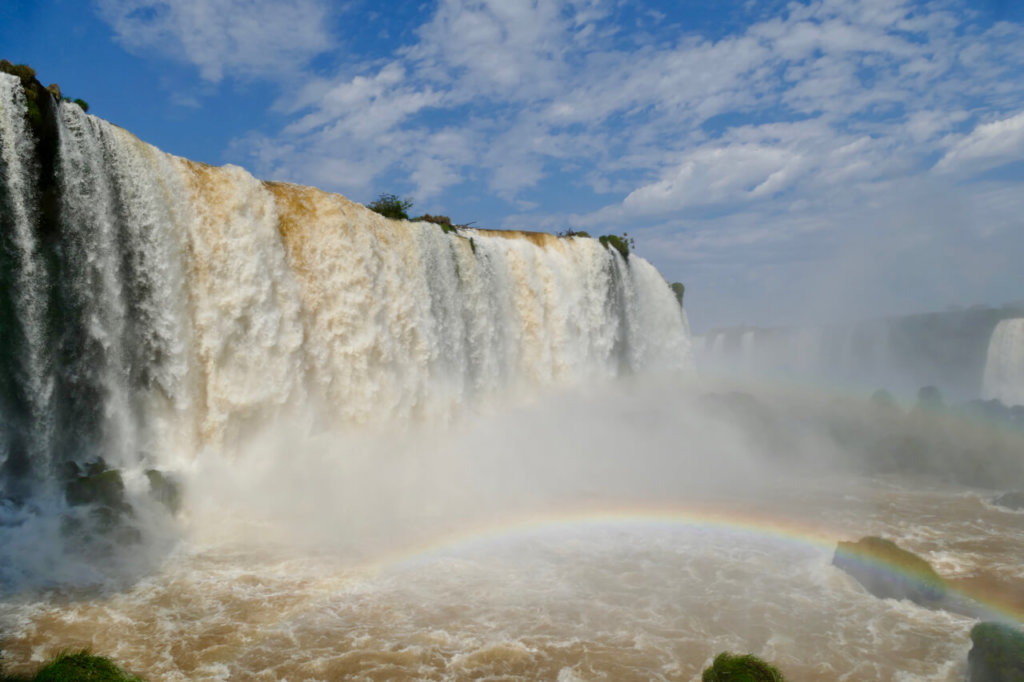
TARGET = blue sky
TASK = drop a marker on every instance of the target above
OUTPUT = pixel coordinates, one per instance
(788, 161)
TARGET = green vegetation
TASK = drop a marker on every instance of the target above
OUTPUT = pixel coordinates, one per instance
(678, 289)
(33, 88)
(444, 221)
(621, 244)
(573, 233)
(997, 653)
(886, 570)
(23, 71)
(729, 667)
(391, 206)
(80, 666)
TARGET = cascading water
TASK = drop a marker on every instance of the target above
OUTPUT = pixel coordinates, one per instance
(25, 385)
(176, 306)
(1004, 366)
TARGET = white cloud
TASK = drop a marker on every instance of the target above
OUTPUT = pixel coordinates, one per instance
(987, 146)
(719, 174)
(248, 38)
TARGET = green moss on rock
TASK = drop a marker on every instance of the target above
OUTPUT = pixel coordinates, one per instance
(729, 667)
(886, 570)
(997, 653)
(80, 666)
(96, 485)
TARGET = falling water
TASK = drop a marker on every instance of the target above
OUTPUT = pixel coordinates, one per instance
(183, 306)
(1004, 367)
(26, 385)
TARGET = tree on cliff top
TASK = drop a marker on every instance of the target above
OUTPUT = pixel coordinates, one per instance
(390, 206)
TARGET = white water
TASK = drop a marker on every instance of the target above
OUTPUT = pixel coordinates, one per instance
(200, 303)
(29, 280)
(1004, 366)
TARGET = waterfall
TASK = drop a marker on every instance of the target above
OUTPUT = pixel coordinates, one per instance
(162, 307)
(1004, 366)
(26, 384)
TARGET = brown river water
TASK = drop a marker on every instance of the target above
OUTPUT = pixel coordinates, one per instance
(646, 571)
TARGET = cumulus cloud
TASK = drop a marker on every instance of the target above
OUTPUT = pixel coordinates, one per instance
(248, 38)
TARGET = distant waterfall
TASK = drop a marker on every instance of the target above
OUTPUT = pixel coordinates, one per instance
(1004, 368)
(152, 307)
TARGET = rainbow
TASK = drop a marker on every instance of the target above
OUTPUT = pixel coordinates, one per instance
(751, 524)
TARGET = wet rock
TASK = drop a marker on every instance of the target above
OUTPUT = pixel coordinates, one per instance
(729, 667)
(997, 653)
(95, 484)
(1011, 500)
(164, 490)
(890, 572)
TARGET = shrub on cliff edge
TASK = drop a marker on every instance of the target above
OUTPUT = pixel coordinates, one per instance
(391, 206)
(678, 289)
(620, 244)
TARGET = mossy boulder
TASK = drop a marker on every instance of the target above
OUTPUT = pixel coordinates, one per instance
(97, 496)
(95, 484)
(729, 667)
(888, 571)
(80, 666)
(997, 653)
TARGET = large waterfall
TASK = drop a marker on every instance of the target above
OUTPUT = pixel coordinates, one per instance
(152, 307)
(1004, 369)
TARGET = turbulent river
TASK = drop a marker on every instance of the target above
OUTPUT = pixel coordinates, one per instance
(404, 453)
(543, 546)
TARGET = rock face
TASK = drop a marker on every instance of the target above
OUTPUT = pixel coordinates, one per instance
(729, 667)
(1011, 500)
(997, 654)
(888, 571)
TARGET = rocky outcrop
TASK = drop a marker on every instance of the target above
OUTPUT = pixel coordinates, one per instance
(1011, 500)
(888, 571)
